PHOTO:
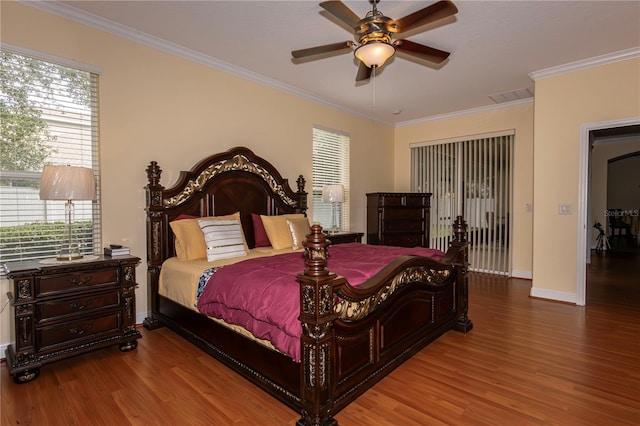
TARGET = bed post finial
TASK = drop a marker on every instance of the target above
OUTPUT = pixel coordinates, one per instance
(153, 174)
(317, 340)
(302, 194)
(460, 230)
(315, 253)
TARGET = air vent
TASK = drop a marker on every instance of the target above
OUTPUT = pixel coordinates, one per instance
(512, 96)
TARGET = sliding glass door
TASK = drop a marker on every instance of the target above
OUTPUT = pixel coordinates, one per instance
(473, 178)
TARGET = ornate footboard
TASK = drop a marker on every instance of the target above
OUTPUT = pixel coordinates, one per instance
(352, 337)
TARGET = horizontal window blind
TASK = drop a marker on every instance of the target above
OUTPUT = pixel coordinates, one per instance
(330, 167)
(472, 178)
(49, 116)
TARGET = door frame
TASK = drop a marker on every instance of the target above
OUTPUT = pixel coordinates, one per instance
(583, 199)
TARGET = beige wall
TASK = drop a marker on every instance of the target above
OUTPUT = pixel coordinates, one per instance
(518, 118)
(564, 103)
(155, 106)
(623, 183)
(600, 155)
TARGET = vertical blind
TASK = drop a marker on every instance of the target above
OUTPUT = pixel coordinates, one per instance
(49, 116)
(330, 166)
(472, 178)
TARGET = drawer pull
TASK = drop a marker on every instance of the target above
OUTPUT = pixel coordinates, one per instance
(80, 331)
(80, 306)
(75, 281)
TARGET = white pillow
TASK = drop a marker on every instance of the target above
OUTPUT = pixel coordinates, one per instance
(223, 238)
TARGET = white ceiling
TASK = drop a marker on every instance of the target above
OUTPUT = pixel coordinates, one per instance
(494, 45)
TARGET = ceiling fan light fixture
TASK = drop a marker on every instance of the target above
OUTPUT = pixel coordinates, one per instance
(375, 53)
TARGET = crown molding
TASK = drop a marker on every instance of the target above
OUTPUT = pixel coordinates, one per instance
(102, 24)
(584, 64)
(456, 114)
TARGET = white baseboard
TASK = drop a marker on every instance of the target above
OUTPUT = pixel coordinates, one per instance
(527, 275)
(140, 316)
(3, 348)
(553, 295)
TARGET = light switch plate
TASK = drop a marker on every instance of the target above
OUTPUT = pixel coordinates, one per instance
(564, 209)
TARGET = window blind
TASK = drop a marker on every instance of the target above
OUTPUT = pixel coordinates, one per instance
(479, 172)
(330, 166)
(49, 115)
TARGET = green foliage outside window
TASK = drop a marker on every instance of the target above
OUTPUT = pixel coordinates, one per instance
(39, 240)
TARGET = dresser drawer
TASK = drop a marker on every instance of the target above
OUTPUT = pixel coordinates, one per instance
(403, 200)
(86, 304)
(404, 240)
(55, 337)
(76, 281)
(402, 226)
(402, 214)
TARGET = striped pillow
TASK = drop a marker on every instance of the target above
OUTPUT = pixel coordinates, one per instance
(223, 239)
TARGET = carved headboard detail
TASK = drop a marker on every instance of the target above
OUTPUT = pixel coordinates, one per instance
(234, 181)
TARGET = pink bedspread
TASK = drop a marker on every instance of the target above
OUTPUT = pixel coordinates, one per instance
(263, 296)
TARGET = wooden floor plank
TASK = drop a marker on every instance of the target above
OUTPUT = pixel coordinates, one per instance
(526, 362)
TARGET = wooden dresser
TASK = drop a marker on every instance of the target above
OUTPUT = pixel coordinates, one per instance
(65, 309)
(398, 218)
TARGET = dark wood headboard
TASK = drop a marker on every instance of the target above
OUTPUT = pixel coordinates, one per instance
(234, 181)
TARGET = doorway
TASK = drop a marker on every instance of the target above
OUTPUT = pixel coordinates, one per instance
(612, 137)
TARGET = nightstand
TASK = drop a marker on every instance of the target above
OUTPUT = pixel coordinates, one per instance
(345, 237)
(63, 309)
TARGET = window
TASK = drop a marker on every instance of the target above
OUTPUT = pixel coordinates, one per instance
(330, 167)
(48, 116)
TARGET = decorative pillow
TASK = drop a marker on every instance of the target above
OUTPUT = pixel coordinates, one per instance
(189, 239)
(224, 238)
(278, 231)
(298, 228)
(261, 238)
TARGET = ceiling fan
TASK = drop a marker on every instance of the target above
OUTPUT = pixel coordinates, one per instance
(374, 33)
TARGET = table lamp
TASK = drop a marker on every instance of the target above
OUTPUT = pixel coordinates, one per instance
(333, 194)
(68, 183)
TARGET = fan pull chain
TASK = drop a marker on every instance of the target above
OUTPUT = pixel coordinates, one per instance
(373, 84)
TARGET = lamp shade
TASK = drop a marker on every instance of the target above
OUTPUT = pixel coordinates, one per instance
(375, 53)
(333, 193)
(67, 183)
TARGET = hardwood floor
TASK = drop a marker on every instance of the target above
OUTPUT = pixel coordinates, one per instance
(526, 362)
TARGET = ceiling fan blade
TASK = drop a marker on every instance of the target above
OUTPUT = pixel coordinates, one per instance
(302, 53)
(364, 72)
(436, 11)
(342, 12)
(421, 51)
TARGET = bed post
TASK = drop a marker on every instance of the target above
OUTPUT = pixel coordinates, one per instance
(317, 340)
(463, 324)
(154, 250)
(302, 194)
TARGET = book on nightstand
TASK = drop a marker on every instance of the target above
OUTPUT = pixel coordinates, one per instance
(116, 251)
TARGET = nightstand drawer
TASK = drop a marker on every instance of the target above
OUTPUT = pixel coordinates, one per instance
(57, 309)
(345, 237)
(68, 333)
(76, 281)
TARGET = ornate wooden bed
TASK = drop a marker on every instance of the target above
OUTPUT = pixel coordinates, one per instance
(351, 336)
